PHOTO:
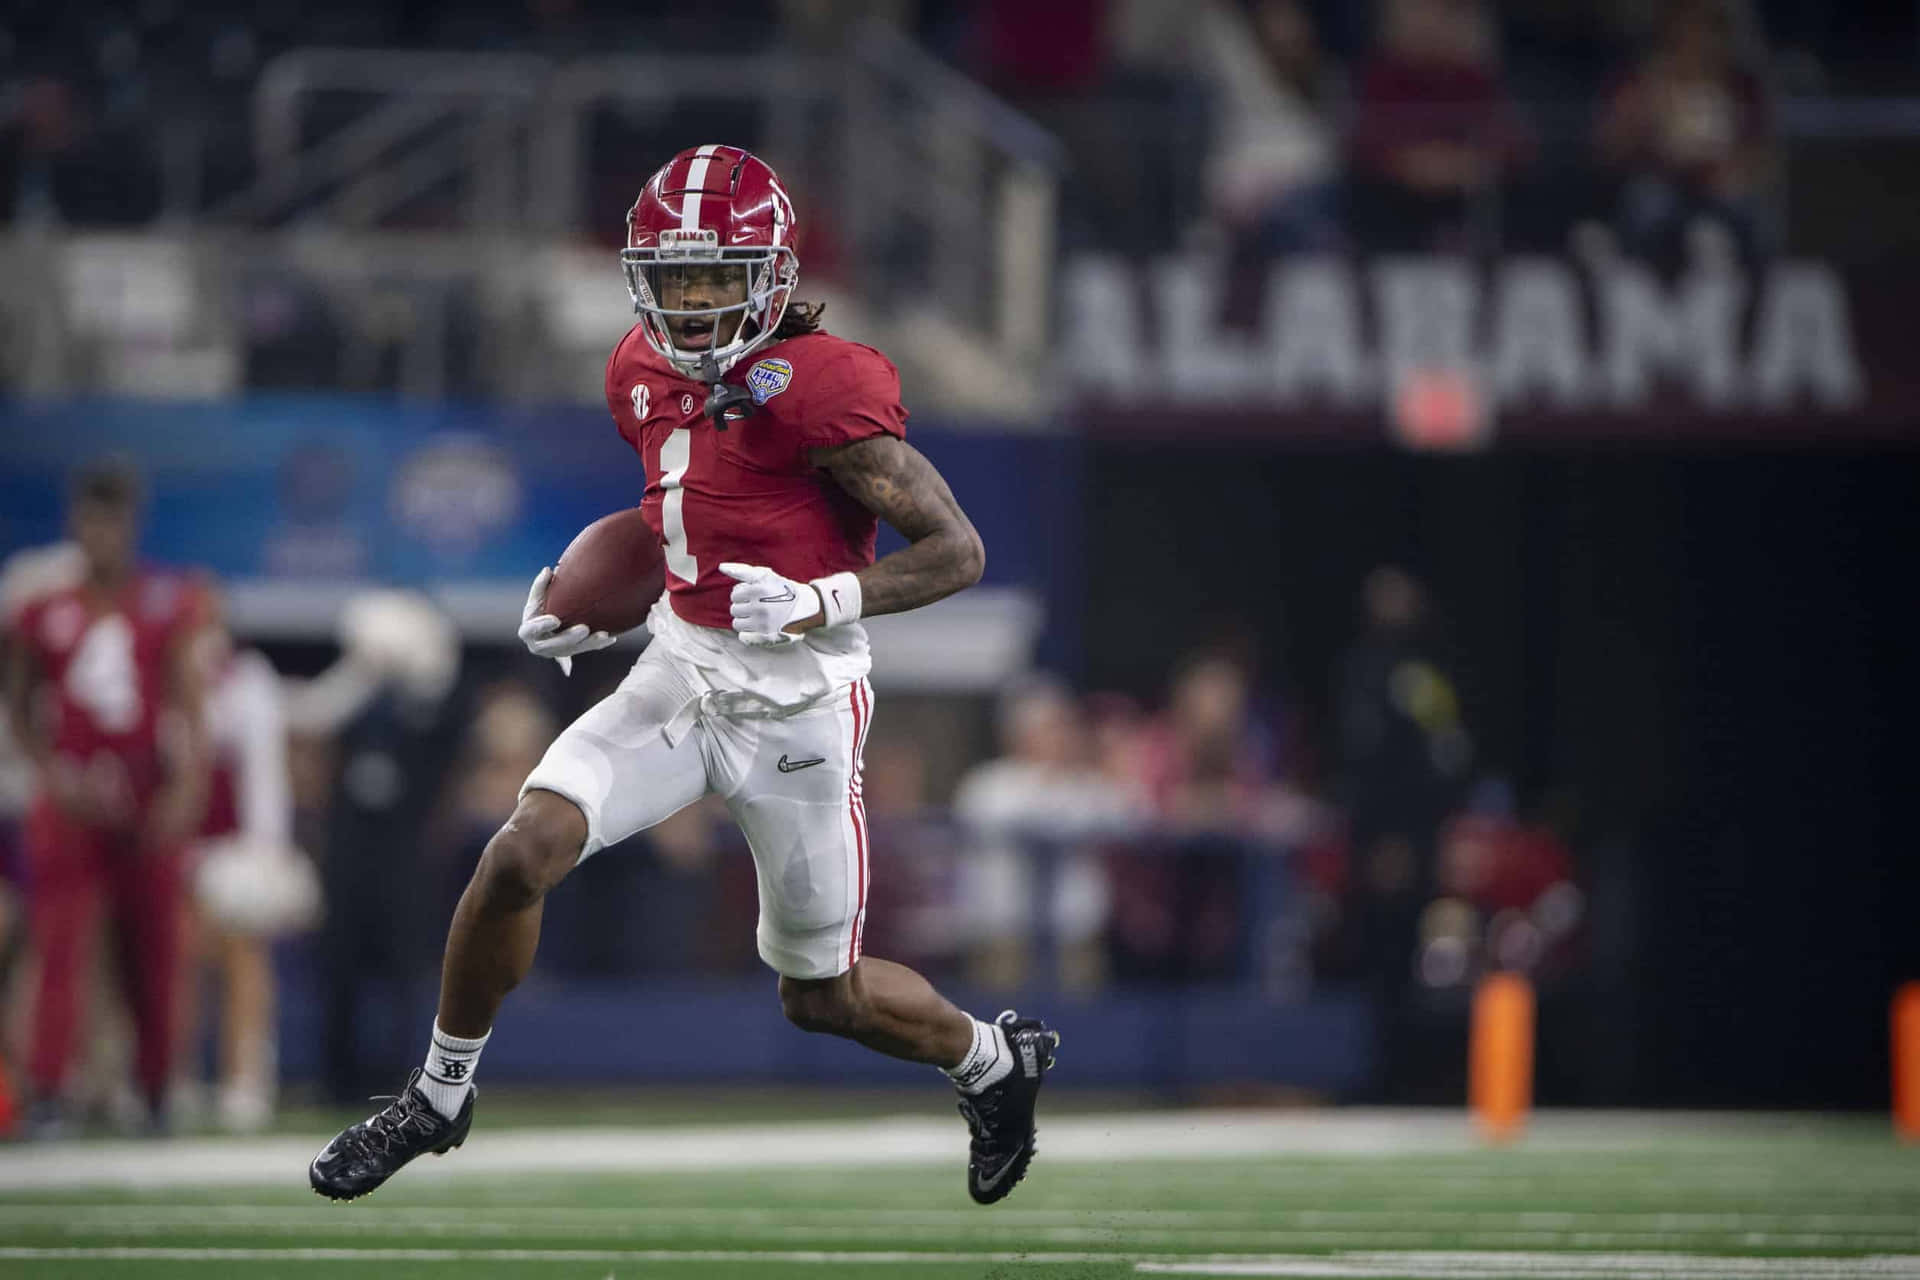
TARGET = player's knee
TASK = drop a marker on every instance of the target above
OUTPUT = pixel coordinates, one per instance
(533, 851)
(828, 1008)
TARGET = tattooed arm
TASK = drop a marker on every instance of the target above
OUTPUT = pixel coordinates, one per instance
(894, 480)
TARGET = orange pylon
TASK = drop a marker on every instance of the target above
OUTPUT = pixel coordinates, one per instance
(1500, 1056)
(1905, 1026)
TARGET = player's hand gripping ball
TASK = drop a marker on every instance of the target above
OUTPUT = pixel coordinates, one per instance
(546, 636)
(607, 579)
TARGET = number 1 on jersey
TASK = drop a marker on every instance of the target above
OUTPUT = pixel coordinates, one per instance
(676, 454)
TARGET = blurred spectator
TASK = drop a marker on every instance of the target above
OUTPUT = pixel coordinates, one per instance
(388, 703)
(1403, 747)
(1271, 170)
(676, 902)
(1506, 900)
(1689, 134)
(24, 574)
(1117, 730)
(663, 901)
(106, 701)
(1434, 132)
(1044, 789)
(1204, 773)
(1112, 80)
(509, 729)
(1041, 51)
(42, 130)
(1404, 752)
(250, 884)
(912, 883)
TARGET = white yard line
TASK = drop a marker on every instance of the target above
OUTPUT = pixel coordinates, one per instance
(1180, 1238)
(1128, 1139)
(796, 1227)
(1349, 1266)
(1541, 1266)
(617, 1256)
(882, 1142)
(374, 1215)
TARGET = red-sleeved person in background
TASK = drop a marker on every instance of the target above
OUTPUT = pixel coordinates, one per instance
(106, 702)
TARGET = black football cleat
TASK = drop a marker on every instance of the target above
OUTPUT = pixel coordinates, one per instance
(1000, 1117)
(363, 1156)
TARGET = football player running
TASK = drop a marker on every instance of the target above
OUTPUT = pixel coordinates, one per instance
(771, 451)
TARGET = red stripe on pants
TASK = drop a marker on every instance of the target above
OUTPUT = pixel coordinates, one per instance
(859, 815)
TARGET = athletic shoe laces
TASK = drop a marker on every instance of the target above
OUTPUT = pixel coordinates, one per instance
(395, 1122)
(981, 1110)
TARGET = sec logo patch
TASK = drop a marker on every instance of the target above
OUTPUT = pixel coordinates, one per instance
(768, 379)
(642, 400)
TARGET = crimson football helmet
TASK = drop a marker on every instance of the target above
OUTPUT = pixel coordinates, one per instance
(712, 227)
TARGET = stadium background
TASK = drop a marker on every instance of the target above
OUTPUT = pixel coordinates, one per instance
(1205, 345)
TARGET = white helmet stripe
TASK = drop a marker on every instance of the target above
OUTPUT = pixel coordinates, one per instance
(696, 181)
(780, 206)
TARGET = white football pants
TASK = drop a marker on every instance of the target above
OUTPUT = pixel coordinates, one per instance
(656, 744)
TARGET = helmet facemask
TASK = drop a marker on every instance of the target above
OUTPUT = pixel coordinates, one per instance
(742, 292)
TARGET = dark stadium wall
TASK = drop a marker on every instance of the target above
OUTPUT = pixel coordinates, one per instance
(1707, 651)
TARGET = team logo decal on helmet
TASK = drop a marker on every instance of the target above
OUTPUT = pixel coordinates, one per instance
(710, 260)
(768, 378)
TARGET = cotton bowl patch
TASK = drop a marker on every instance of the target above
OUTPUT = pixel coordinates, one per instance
(768, 379)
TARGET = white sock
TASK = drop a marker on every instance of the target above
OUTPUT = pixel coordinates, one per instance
(447, 1076)
(987, 1062)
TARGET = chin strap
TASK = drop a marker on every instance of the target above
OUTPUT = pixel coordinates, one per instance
(721, 397)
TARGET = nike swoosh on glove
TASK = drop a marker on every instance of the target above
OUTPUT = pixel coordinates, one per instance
(764, 603)
(542, 633)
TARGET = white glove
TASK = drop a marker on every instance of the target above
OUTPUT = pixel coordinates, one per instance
(764, 603)
(541, 632)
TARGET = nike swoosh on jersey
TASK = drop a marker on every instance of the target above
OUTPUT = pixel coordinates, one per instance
(785, 765)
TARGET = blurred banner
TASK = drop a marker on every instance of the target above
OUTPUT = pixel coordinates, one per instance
(1447, 352)
(298, 501)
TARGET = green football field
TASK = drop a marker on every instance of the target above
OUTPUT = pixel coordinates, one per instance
(1278, 1193)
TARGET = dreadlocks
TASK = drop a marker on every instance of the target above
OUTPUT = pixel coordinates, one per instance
(801, 318)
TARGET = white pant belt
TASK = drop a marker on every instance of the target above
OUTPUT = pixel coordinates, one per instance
(733, 704)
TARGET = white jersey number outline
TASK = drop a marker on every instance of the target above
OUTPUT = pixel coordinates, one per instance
(676, 455)
(103, 678)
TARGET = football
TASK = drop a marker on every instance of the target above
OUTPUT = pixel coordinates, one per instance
(609, 575)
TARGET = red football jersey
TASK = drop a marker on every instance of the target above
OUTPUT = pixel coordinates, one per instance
(749, 493)
(105, 668)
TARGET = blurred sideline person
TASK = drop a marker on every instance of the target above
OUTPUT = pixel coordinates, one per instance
(249, 883)
(1043, 789)
(767, 501)
(107, 700)
(389, 707)
(30, 572)
(1404, 756)
(1206, 775)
